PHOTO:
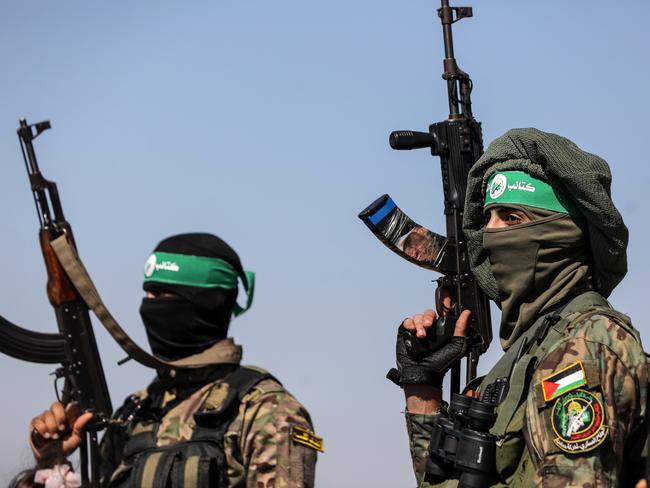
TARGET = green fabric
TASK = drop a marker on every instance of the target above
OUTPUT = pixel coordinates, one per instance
(536, 265)
(518, 384)
(249, 286)
(581, 176)
(200, 272)
(182, 269)
(517, 187)
(512, 446)
(524, 476)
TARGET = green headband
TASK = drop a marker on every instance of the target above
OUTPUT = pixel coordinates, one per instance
(198, 271)
(517, 187)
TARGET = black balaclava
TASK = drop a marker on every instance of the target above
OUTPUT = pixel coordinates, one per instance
(194, 318)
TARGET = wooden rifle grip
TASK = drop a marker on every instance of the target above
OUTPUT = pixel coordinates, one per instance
(59, 287)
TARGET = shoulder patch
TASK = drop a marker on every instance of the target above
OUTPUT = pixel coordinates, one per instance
(306, 437)
(578, 420)
(563, 381)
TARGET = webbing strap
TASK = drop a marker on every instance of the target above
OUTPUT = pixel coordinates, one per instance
(513, 399)
(211, 424)
(191, 472)
(520, 375)
(149, 470)
(81, 280)
(503, 366)
(581, 306)
(244, 378)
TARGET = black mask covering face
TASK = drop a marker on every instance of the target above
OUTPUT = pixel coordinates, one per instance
(177, 328)
(193, 318)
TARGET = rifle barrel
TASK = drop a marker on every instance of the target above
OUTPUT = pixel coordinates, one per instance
(446, 14)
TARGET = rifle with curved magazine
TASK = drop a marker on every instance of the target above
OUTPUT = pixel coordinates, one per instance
(72, 294)
(459, 143)
(74, 346)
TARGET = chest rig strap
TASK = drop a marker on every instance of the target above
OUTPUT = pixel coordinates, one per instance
(240, 383)
(514, 371)
(198, 462)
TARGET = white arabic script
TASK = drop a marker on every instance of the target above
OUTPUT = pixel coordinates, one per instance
(520, 185)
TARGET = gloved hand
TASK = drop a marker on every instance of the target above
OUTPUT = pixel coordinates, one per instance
(429, 369)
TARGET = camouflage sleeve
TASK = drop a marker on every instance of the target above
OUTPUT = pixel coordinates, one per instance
(587, 397)
(261, 446)
(419, 428)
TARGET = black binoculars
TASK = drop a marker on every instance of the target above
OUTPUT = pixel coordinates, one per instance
(461, 445)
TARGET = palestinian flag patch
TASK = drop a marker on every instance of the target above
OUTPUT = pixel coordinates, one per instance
(564, 381)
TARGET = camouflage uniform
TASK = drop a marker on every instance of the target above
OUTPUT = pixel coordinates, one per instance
(537, 447)
(260, 448)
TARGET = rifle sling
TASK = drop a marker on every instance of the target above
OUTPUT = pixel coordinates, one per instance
(81, 280)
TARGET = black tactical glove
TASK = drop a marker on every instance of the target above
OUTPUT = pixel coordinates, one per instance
(429, 368)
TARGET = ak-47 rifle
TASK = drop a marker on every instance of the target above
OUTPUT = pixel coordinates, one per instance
(74, 347)
(459, 143)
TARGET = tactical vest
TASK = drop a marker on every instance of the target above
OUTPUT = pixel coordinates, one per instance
(515, 369)
(198, 462)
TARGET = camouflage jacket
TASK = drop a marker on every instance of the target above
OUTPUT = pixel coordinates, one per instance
(581, 418)
(260, 445)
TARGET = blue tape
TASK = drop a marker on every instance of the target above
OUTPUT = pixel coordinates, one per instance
(384, 210)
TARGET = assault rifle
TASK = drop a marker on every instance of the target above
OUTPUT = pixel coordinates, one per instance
(74, 346)
(459, 143)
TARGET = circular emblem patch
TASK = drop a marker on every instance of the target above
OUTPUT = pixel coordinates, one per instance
(150, 266)
(578, 421)
(498, 186)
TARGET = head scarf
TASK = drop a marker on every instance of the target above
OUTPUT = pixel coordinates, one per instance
(583, 177)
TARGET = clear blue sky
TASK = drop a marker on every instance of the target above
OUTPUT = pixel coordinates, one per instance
(267, 123)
